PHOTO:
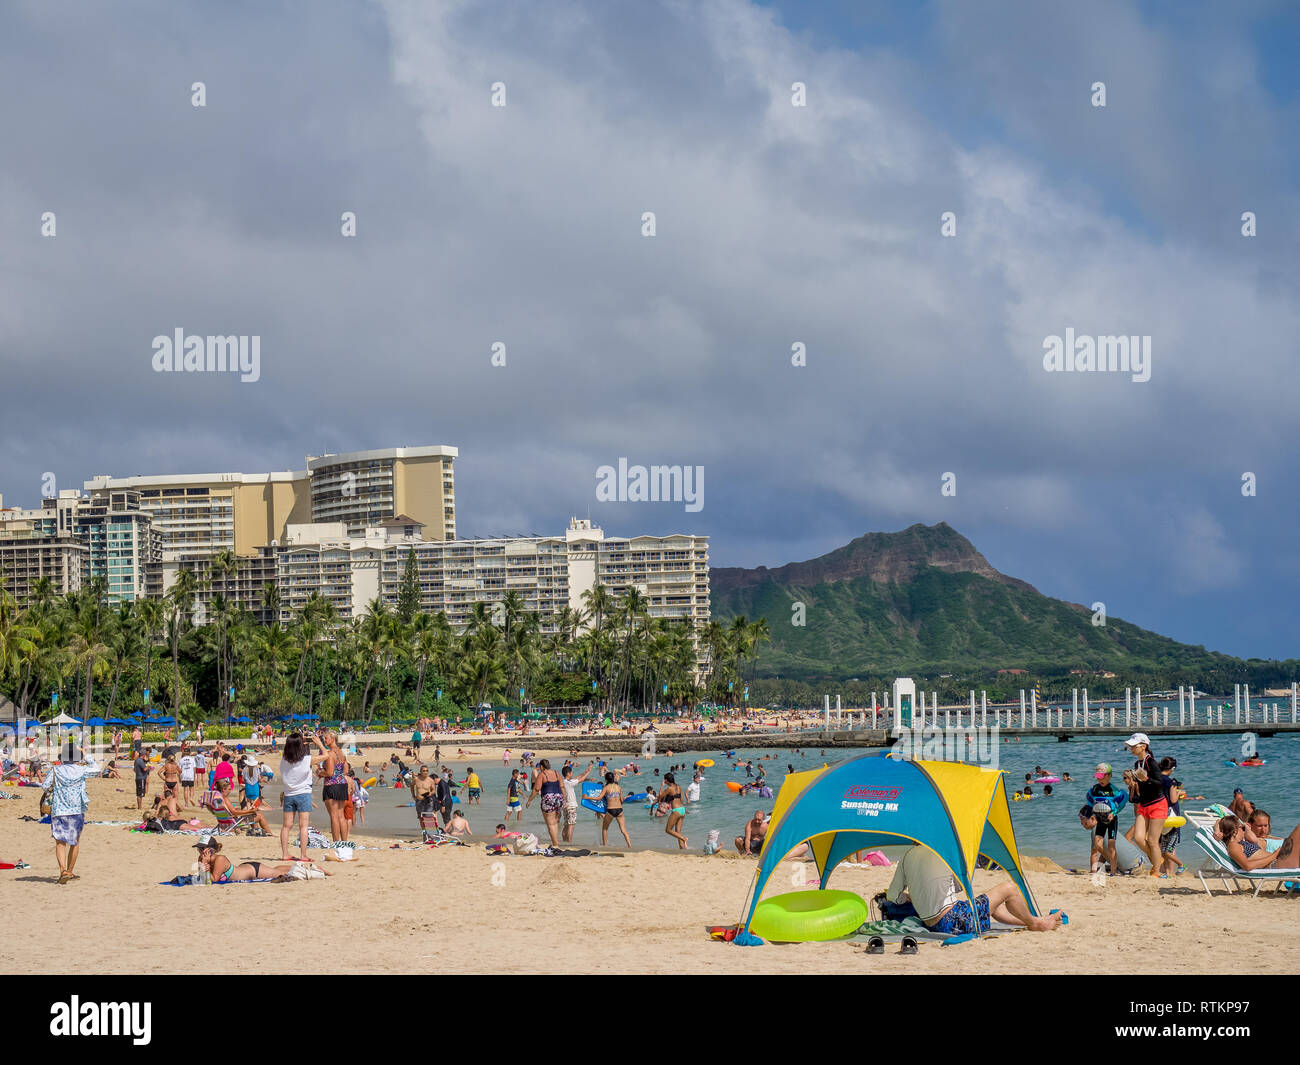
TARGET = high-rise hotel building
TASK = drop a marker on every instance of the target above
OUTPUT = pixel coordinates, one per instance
(114, 539)
(548, 573)
(361, 489)
(140, 531)
(200, 514)
(341, 529)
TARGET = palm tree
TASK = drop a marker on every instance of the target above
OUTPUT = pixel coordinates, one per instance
(89, 652)
(271, 602)
(431, 638)
(758, 632)
(634, 608)
(124, 645)
(180, 601)
(42, 595)
(17, 638)
(482, 673)
(598, 604)
(223, 566)
(272, 646)
(374, 635)
(149, 613)
(520, 652)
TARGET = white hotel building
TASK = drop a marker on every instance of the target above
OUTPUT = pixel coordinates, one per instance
(549, 573)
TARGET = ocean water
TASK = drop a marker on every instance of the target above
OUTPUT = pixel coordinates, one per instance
(1044, 826)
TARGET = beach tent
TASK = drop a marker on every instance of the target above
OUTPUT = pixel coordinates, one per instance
(958, 811)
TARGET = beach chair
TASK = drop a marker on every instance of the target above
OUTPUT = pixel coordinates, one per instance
(1204, 820)
(429, 829)
(228, 823)
(1220, 863)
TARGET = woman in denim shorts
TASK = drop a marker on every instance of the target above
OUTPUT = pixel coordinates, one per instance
(296, 774)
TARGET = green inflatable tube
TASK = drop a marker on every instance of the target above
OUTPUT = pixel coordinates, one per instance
(809, 916)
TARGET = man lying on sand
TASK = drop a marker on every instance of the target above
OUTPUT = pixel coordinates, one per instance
(928, 883)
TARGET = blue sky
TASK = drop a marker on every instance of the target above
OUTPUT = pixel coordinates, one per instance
(775, 225)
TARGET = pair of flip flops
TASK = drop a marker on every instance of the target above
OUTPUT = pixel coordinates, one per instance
(876, 945)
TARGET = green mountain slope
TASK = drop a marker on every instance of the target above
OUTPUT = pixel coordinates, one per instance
(925, 601)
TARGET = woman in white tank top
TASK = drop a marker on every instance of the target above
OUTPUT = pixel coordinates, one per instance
(296, 774)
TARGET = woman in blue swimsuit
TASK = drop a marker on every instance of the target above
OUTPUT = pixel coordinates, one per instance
(224, 871)
(672, 797)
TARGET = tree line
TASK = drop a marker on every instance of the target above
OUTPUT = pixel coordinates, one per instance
(395, 662)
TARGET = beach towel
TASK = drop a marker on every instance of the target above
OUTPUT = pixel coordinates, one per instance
(318, 842)
(190, 881)
(891, 931)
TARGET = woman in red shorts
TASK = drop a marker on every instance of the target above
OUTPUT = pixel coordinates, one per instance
(1148, 793)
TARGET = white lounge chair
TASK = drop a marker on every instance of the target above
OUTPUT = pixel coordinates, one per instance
(1203, 819)
(1221, 863)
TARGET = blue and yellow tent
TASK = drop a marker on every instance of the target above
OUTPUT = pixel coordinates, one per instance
(958, 811)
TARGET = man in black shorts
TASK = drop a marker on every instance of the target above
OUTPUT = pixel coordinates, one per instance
(142, 771)
(424, 790)
(444, 797)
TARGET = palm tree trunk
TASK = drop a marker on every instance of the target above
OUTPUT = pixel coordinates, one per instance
(112, 699)
(365, 695)
(176, 669)
(25, 689)
(311, 681)
(419, 686)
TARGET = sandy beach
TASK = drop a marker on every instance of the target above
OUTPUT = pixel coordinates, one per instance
(404, 911)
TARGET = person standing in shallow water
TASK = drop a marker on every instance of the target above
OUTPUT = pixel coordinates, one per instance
(1148, 793)
(612, 796)
(547, 785)
(672, 797)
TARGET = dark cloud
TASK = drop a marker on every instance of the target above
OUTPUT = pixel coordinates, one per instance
(775, 225)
